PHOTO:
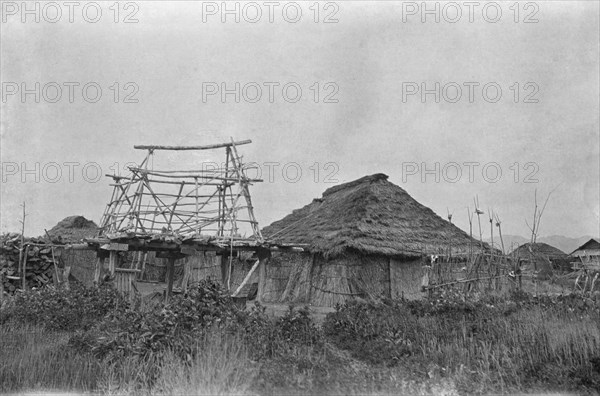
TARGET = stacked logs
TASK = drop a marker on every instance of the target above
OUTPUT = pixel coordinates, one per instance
(39, 262)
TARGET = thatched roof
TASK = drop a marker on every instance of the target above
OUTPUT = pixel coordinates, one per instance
(591, 247)
(370, 215)
(539, 249)
(73, 229)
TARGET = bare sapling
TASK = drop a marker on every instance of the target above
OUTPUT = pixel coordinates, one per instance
(537, 216)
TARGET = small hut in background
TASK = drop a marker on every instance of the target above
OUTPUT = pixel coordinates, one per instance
(588, 253)
(79, 263)
(365, 238)
(73, 229)
(541, 258)
(586, 264)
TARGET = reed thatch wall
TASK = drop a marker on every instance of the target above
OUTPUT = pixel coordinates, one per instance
(206, 265)
(306, 278)
(406, 279)
(82, 263)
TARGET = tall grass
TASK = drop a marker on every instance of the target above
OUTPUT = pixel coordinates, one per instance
(510, 353)
(482, 350)
(202, 346)
(223, 368)
(32, 358)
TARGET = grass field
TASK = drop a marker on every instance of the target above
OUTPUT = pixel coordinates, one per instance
(89, 341)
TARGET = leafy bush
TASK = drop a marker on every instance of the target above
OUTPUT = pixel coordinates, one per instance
(295, 328)
(75, 308)
(283, 345)
(174, 326)
(374, 332)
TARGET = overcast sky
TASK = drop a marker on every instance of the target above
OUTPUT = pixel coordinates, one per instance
(361, 109)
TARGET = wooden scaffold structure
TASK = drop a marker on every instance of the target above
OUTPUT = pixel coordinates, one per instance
(185, 203)
(177, 213)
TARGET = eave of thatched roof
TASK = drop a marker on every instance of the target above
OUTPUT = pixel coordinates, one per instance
(539, 249)
(373, 216)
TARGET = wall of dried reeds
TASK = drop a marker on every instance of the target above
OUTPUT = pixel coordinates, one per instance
(207, 264)
(406, 279)
(82, 263)
(305, 278)
(202, 266)
(287, 277)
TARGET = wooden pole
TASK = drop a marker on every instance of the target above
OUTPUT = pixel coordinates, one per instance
(392, 280)
(470, 232)
(220, 218)
(143, 269)
(230, 268)
(97, 270)
(170, 276)
(187, 270)
(113, 261)
(197, 206)
(246, 279)
(24, 280)
(223, 265)
(56, 279)
(207, 147)
(111, 211)
(243, 184)
(262, 275)
(1, 290)
(21, 258)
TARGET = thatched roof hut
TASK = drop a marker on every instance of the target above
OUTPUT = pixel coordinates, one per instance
(73, 229)
(539, 249)
(373, 216)
(542, 258)
(365, 238)
(590, 248)
(587, 255)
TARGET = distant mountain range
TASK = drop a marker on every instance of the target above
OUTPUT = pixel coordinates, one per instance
(563, 243)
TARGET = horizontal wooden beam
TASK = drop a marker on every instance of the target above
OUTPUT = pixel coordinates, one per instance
(209, 170)
(197, 244)
(288, 248)
(180, 183)
(128, 270)
(186, 176)
(207, 147)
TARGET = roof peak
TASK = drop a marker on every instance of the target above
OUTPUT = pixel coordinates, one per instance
(363, 180)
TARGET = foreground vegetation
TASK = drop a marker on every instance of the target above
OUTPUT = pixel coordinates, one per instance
(92, 340)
